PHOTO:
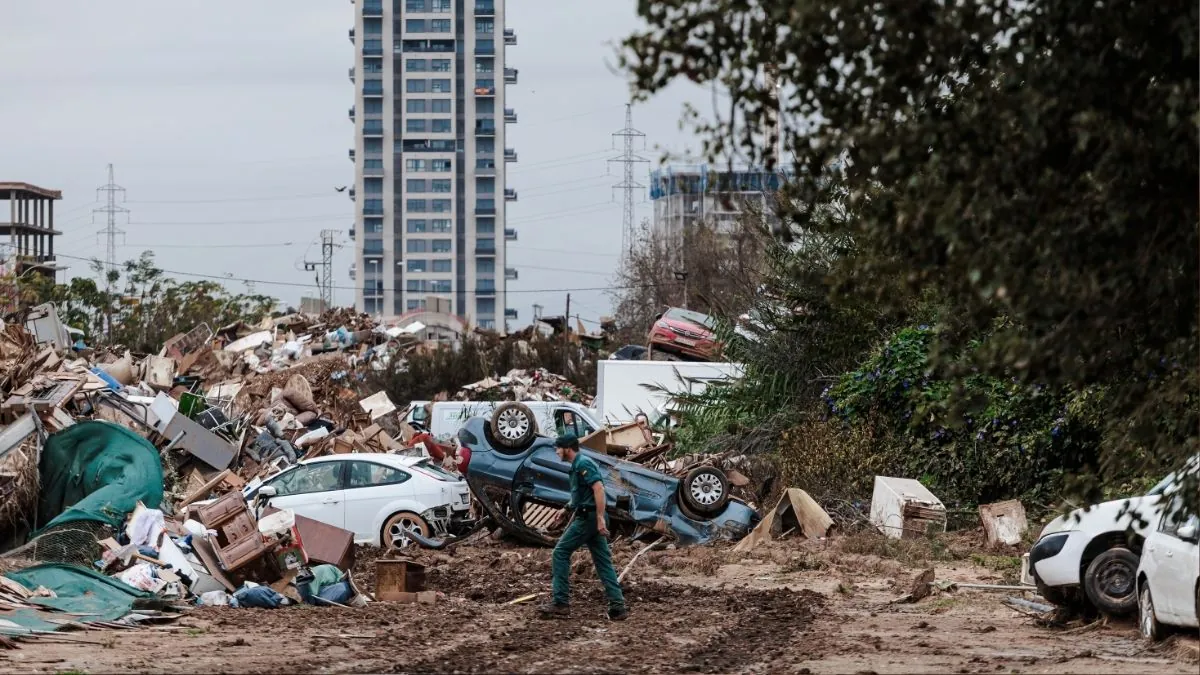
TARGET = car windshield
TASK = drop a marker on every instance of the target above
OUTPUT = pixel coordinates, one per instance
(430, 467)
(1173, 477)
(690, 316)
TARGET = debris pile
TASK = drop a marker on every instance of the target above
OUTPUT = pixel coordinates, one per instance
(133, 472)
(523, 385)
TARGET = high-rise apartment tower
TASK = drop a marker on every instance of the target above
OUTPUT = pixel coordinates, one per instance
(429, 157)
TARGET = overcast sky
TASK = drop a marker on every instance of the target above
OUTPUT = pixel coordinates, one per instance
(226, 121)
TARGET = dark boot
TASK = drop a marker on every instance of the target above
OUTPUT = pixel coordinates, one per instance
(618, 614)
(552, 610)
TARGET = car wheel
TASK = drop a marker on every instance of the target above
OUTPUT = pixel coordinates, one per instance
(400, 523)
(705, 490)
(1110, 581)
(513, 426)
(1147, 622)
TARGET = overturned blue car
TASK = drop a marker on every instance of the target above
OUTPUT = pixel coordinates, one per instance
(512, 467)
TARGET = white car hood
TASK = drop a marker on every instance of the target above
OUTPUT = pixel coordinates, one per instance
(1108, 516)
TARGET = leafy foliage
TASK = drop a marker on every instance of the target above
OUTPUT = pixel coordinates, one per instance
(1018, 441)
(145, 307)
(1036, 161)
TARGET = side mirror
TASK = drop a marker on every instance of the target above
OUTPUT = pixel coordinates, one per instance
(1187, 532)
(267, 491)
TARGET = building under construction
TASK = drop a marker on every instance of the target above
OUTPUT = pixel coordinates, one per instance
(27, 235)
(686, 195)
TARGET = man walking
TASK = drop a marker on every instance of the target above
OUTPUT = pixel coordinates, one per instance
(588, 527)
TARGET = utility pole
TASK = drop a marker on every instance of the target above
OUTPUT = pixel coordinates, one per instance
(567, 338)
(110, 232)
(629, 159)
(324, 269)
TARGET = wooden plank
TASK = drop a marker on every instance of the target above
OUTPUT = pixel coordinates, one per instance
(205, 489)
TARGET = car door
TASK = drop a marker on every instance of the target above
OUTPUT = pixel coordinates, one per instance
(1174, 582)
(314, 491)
(370, 488)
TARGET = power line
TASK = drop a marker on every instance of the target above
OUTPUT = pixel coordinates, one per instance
(295, 284)
(230, 200)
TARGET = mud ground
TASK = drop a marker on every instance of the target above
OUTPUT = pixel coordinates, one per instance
(786, 607)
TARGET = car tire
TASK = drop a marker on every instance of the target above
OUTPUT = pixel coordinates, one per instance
(406, 520)
(513, 426)
(1148, 624)
(705, 490)
(1110, 581)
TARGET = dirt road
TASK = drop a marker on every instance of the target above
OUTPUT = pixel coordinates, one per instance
(790, 607)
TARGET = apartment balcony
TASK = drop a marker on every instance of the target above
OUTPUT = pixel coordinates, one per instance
(485, 168)
(485, 91)
(485, 291)
(351, 154)
(510, 76)
(511, 314)
(485, 209)
(510, 155)
(372, 210)
(510, 115)
(373, 172)
(510, 234)
(353, 270)
(373, 50)
(372, 8)
(351, 113)
(373, 253)
(352, 73)
(510, 273)
(510, 36)
(485, 249)
(488, 129)
(373, 93)
(352, 194)
(352, 234)
(373, 130)
(484, 51)
(510, 195)
(351, 36)
(485, 8)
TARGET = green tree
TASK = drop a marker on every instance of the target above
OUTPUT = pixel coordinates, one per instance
(1033, 160)
(145, 307)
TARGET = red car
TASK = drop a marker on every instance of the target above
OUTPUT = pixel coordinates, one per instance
(685, 334)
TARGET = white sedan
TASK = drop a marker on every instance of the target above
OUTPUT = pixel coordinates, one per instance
(1168, 577)
(375, 496)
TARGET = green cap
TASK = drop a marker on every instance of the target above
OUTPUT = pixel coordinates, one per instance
(567, 441)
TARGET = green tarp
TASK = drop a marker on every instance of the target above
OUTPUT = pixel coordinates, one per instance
(81, 591)
(97, 471)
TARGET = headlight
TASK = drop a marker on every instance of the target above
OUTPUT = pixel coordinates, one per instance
(1048, 547)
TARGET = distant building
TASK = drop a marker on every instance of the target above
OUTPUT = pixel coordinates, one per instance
(430, 157)
(27, 236)
(312, 306)
(685, 195)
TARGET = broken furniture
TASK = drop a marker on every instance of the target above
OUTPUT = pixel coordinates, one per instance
(400, 581)
(902, 508)
(238, 542)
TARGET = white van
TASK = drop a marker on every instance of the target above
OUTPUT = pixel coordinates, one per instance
(553, 417)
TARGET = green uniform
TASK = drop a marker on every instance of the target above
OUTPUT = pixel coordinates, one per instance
(582, 531)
